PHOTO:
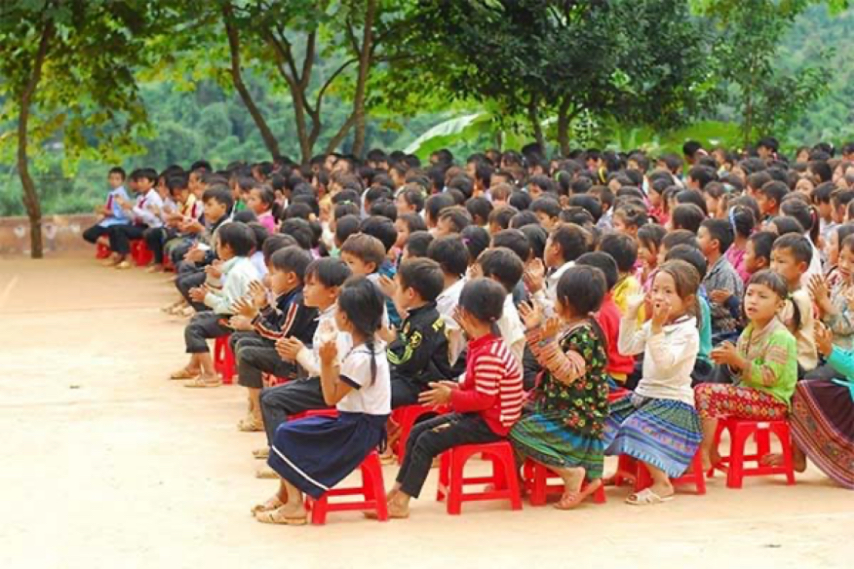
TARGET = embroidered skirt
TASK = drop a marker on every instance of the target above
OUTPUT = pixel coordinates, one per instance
(720, 401)
(822, 422)
(316, 453)
(662, 432)
(545, 438)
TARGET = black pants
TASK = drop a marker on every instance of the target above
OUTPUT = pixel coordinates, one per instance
(121, 236)
(179, 250)
(404, 392)
(281, 401)
(94, 233)
(202, 327)
(256, 356)
(156, 239)
(429, 439)
(191, 280)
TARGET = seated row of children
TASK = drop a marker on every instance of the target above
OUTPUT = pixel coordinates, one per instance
(521, 310)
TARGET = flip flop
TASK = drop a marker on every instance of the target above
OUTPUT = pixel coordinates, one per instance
(201, 383)
(273, 503)
(248, 425)
(184, 373)
(261, 453)
(574, 499)
(647, 497)
(278, 516)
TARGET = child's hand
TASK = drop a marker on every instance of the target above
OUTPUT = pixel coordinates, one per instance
(475, 271)
(387, 286)
(553, 327)
(660, 314)
(823, 338)
(240, 323)
(439, 394)
(258, 294)
(726, 354)
(535, 276)
(195, 255)
(328, 352)
(818, 290)
(849, 298)
(198, 294)
(244, 308)
(214, 270)
(388, 334)
(288, 348)
(531, 315)
(634, 303)
(464, 321)
(720, 296)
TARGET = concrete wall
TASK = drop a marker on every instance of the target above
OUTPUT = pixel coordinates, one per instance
(62, 234)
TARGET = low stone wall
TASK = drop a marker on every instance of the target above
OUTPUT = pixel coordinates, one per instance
(62, 234)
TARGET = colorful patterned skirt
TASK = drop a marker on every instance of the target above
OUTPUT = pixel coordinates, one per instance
(662, 432)
(822, 422)
(316, 453)
(545, 438)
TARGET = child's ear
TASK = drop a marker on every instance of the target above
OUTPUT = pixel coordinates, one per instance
(372, 267)
(803, 266)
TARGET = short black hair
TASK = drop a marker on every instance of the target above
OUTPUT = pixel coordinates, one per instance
(799, 245)
(694, 197)
(365, 247)
(384, 208)
(605, 263)
(546, 204)
(345, 227)
(451, 253)
(502, 264)
(572, 239)
(679, 237)
(418, 243)
(413, 221)
(382, 228)
(476, 240)
(457, 216)
(651, 234)
(119, 170)
(523, 218)
(292, 260)
(520, 200)
(484, 299)
(436, 203)
(300, 230)
(220, 195)
(413, 197)
(238, 237)
(424, 276)
(582, 287)
(479, 208)
(721, 230)
(763, 243)
(588, 202)
(687, 216)
(703, 175)
(275, 242)
(622, 248)
(328, 271)
(537, 238)
(514, 240)
(501, 216)
(690, 255)
(631, 214)
(774, 190)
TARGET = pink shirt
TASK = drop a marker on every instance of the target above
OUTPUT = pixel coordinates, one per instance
(736, 259)
(268, 221)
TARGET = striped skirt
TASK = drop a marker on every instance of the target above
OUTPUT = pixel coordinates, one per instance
(316, 453)
(822, 422)
(545, 438)
(662, 432)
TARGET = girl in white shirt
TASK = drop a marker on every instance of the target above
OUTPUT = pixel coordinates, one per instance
(314, 454)
(657, 424)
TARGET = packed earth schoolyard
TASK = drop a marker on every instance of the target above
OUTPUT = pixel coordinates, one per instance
(538, 313)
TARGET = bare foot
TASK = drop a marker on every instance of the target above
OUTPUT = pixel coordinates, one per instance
(709, 460)
(799, 462)
(398, 510)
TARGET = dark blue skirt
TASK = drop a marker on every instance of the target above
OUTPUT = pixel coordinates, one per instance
(316, 453)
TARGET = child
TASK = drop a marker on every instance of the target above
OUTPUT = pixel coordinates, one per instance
(624, 251)
(742, 221)
(419, 352)
(833, 300)
(157, 237)
(484, 407)
(314, 454)
(655, 196)
(790, 258)
(687, 216)
(504, 266)
(287, 317)
(144, 213)
(725, 288)
(111, 213)
(365, 254)
(769, 198)
(619, 366)
(547, 210)
(649, 242)
(821, 197)
(763, 366)
(261, 201)
(234, 244)
(657, 424)
(452, 255)
(570, 405)
(757, 252)
(628, 219)
(565, 244)
(406, 225)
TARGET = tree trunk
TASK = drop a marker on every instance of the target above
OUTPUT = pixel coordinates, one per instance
(564, 120)
(361, 83)
(534, 118)
(31, 196)
(237, 79)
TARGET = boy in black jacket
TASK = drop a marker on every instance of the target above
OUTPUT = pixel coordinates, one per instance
(255, 353)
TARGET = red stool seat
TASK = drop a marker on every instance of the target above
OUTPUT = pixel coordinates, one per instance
(102, 250)
(406, 417)
(504, 481)
(372, 492)
(535, 477)
(740, 431)
(224, 359)
(140, 253)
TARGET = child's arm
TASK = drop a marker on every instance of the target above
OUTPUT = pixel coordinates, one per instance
(766, 370)
(842, 361)
(332, 377)
(308, 361)
(565, 367)
(410, 355)
(236, 287)
(668, 352)
(487, 371)
(632, 340)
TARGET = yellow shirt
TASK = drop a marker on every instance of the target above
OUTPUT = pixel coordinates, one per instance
(625, 288)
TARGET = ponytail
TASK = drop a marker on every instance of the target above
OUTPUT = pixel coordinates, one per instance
(816, 224)
(369, 343)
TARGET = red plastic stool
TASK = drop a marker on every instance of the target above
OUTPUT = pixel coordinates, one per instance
(223, 359)
(696, 476)
(102, 250)
(740, 431)
(406, 417)
(504, 481)
(140, 253)
(627, 470)
(536, 476)
(372, 491)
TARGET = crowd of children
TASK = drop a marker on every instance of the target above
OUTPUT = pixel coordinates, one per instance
(591, 305)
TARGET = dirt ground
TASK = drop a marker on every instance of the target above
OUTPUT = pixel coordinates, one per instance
(106, 463)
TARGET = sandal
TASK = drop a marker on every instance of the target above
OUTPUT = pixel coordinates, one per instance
(201, 382)
(266, 473)
(647, 497)
(282, 515)
(571, 500)
(261, 453)
(124, 265)
(273, 503)
(185, 373)
(250, 425)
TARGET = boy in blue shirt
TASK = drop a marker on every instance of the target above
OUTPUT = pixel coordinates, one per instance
(111, 213)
